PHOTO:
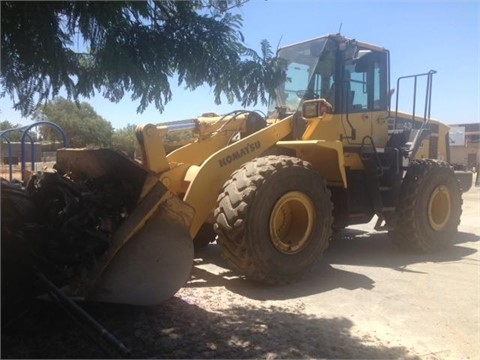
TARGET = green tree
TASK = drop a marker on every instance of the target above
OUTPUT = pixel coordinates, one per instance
(130, 46)
(124, 140)
(81, 124)
(14, 135)
(5, 125)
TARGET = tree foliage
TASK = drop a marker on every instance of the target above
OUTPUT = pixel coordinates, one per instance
(124, 140)
(16, 136)
(5, 125)
(81, 124)
(11, 136)
(129, 46)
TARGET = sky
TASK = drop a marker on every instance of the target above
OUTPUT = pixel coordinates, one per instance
(421, 35)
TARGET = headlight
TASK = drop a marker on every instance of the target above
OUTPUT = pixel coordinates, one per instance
(310, 109)
(316, 108)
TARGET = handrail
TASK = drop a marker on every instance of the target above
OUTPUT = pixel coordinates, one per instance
(428, 96)
(375, 153)
(415, 144)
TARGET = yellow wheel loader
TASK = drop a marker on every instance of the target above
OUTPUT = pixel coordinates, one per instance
(332, 152)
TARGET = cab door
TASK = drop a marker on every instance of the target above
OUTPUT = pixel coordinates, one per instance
(365, 98)
(379, 97)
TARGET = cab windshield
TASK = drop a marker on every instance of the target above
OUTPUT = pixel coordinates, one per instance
(310, 70)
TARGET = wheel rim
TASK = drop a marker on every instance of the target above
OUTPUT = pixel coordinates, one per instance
(291, 222)
(439, 207)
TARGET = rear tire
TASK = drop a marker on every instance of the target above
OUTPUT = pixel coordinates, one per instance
(430, 207)
(273, 219)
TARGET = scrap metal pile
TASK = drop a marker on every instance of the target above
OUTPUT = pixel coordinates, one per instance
(57, 226)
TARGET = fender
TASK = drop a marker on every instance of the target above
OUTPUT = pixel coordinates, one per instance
(208, 178)
(327, 158)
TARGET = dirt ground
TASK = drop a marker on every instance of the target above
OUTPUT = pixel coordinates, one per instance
(364, 300)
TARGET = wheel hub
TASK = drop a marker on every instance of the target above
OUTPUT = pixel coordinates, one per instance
(291, 222)
(439, 208)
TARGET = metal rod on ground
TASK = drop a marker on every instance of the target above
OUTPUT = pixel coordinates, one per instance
(109, 353)
(72, 308)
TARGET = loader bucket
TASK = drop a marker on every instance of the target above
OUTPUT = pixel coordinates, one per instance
(154, 263)
(151, 252)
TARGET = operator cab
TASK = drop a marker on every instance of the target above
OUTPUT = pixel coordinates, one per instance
(351, 76)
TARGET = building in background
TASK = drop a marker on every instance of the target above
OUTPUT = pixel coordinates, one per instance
(465, 145)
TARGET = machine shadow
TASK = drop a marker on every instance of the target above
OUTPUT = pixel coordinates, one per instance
(348, 247)
(365, 248)
(322, 277)
(464, 237)
(210, 270)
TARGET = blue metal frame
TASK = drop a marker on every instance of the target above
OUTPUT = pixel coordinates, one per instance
(25, 135)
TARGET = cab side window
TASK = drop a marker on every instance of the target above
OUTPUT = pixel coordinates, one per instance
(365, 83)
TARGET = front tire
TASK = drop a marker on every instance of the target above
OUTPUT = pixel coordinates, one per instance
(273, 219)
(430, 207)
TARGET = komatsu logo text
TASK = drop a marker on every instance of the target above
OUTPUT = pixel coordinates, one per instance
(247, 149)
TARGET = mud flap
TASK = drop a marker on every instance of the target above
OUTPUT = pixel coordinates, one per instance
(155, 262)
